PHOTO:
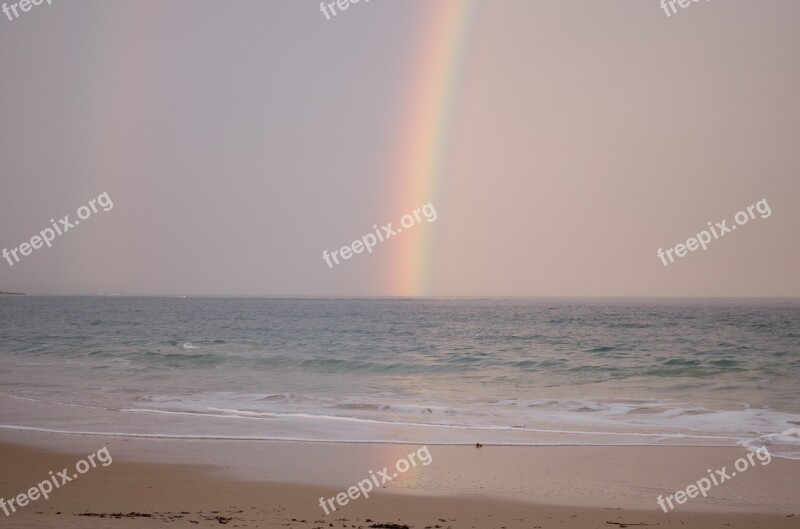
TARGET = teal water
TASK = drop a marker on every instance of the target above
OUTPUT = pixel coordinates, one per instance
(538, 371)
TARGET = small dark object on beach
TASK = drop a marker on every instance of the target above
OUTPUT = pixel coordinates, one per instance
(117, 515)
(389, 526)
(478, 445)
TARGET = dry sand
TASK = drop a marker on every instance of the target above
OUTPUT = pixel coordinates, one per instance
(164, 483)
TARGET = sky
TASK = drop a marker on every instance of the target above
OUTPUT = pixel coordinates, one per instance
(560, 144)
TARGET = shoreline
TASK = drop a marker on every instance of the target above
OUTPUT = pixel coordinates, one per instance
(67, 419)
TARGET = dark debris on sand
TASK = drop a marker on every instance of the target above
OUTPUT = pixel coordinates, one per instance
(165, 517)
(117, 515)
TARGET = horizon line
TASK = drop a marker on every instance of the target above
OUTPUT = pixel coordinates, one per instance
(389, 297)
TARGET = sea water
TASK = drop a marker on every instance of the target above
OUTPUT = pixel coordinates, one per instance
(502, 371)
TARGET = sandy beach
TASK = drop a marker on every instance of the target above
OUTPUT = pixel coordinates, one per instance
(186, 483)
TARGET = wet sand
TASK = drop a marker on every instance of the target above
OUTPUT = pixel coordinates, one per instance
(186, 483)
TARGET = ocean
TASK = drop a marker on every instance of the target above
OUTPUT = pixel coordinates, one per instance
(495, 371)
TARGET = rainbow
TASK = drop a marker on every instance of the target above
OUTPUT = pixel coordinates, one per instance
(424, 136)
